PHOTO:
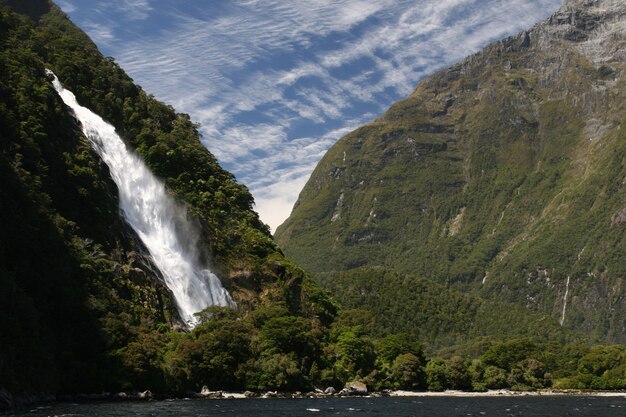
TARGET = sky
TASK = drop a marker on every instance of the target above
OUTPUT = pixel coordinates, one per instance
(275, 83)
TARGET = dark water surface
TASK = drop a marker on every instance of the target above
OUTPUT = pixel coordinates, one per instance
(527, 406)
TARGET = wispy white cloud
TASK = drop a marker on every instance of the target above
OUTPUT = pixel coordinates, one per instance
(100, 33)
(134, 9)
(274, 83)
(66, 6)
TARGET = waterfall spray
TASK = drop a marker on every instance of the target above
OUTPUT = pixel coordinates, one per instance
(160, 222)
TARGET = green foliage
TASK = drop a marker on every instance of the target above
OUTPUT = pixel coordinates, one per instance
(392, 346)
(494, 378)
(603, 368)
(212, 355)
(491, 179)
(524, 364)
(505, 355)
(439, 316)
(407, 372)
(275, 372)
(142, 360)
(288, 334)
(354, 353)
(436, 378)
(83, 311)
(82, 307)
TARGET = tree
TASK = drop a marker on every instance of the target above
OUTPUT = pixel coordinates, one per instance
(407, 372)
(436, 376)
(287, 334)
(495, 378)
(457, 375)
(274, 372)
(390, 347)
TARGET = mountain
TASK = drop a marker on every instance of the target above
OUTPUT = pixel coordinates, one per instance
(501, 179)
(87, 305)
(83, 306)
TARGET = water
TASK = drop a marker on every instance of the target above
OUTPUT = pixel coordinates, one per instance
(160, 222)
(530, 406)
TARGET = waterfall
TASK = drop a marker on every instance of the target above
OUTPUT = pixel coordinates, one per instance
(160, 222)
(565, 301)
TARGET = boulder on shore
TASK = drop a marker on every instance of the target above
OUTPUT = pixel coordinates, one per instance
(355, 388)
(146, 395)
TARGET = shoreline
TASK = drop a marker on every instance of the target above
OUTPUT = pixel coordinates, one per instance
(9, 402)
(227, 395)
(509, 393)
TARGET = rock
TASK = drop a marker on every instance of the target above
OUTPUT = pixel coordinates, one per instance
(205, 392)
(270, 394)
(121, 395)
(619, 217)
(330, 391)
(6, 400)
(250, 394)
(356, 388)
(146, 395)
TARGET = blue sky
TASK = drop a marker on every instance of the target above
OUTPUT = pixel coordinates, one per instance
(274, 83)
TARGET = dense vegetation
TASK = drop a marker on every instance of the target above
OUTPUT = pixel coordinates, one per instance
(268, 350)
(501, 177)
(437, 315)
(83, 310)
(75, 284)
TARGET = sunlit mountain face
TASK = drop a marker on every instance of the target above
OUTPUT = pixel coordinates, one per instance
(274, 84)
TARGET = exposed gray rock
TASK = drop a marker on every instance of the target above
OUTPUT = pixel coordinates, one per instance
(619, 217)
(356, 388)
(145, 395)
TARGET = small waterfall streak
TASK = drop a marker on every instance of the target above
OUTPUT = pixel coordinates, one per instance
(160, 222)
(565, 300)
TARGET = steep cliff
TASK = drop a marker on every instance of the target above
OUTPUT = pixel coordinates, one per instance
(82, 307)
(503, 176)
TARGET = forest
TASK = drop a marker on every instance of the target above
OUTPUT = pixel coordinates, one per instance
(82, 310)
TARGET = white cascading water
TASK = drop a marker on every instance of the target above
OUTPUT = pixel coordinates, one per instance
(159, 221)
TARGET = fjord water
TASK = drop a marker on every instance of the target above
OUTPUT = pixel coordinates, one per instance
(523, 406)
(161, 223)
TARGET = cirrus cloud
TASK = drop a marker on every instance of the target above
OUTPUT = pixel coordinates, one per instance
(274, 84)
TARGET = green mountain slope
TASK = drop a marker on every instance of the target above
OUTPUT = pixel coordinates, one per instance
(82, 309)
(503, 176)
(438, 316)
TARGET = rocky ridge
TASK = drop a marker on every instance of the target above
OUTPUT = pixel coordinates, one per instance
(502, 176)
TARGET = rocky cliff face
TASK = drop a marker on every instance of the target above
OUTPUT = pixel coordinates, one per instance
(503, 175)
